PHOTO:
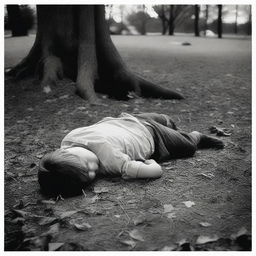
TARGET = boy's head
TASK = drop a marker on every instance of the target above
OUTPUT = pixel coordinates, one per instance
(67, 171)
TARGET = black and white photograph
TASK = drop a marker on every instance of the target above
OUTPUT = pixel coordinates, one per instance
(127, 126)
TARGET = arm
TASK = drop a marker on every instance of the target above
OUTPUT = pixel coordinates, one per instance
(148, 169)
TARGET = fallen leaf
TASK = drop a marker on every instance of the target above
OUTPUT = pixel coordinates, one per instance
(139, 220)
(50, 100)
(46, 220)
(188, 203)
(93, 199)
(135, 234)
(54, 246)
(129, 242)
(47, 89)
(205, 224)
(21, 213)
(83, 227)
(242, 231)
(117, 216)
(48, 202)
(206, 239)
(169, 248)
(101, 190)
(67, 214)
(171, 215)
(168, 208)
(53, 230)
(207, 175)
(64, 96)
(81, 108)
(220, 131)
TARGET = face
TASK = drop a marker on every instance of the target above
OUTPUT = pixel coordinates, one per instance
(88, 159)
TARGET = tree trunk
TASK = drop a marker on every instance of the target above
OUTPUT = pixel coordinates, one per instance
(206, 18)
(249, 28)
(219, 21)
(143, 22)
(196, 24)
(236, 19)
(163, 19)
(74, 41)
(171, 20)
(15, 21)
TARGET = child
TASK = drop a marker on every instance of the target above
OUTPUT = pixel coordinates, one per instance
(125, 146)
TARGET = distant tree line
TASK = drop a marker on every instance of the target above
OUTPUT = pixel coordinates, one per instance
(171, 18)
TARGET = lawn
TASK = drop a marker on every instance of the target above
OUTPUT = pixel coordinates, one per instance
(200, 203)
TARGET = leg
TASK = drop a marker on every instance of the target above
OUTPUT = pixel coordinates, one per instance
(170, 143)
(159, 118)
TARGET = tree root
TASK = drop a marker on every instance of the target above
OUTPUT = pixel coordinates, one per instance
(52, 71)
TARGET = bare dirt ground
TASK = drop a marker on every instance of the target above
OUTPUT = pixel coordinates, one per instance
(200, 203)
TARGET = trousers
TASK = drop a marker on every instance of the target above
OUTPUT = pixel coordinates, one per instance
(170, 142)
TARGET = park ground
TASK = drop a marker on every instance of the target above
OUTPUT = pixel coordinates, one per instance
(200, 203)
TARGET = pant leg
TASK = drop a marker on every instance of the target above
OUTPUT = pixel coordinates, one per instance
(178, 144)
(159, 118)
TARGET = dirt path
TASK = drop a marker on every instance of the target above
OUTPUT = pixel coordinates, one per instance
(200, 203)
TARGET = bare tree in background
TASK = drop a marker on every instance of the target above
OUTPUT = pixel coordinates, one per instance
(236, 13)
(74, 41)
(219, 21)
(196, 21)
(161, 11)
(249, 30)
(206, 18)
(176, 14)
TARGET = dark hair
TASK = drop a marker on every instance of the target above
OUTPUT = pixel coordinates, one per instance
(61, 172)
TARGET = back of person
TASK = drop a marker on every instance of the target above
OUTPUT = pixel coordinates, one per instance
(124, 134)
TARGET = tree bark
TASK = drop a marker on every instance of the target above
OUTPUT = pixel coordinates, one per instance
(171, 20)
(219, 21)
(196, 24)
(206, 18)
(74, 41)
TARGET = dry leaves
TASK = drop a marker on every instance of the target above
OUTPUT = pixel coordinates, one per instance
(129, 243)
(168, 208)
(135, 234)
(206, 239)
(84, 226)
(188, 203)
(205, 224)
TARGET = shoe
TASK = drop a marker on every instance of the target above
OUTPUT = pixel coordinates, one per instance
(210, 142)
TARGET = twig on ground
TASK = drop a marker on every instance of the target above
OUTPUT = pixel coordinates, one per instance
(120, 204)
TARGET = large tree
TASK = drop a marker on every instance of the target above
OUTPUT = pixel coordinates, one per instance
(196, 21)
(219, 21)
(74, 41)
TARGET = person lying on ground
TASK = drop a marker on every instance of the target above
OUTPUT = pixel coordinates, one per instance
(129, 146)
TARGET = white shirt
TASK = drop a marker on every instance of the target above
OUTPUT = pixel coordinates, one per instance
(121, 144)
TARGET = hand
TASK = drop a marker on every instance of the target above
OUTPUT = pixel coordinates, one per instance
(150, 161)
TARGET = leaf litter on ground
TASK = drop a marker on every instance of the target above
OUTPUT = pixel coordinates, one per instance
(205, 224)
(135, 234)
(130, 243)
(220, 131)
(54, 246)
(83, 227)
(188, 203)
(206, 239)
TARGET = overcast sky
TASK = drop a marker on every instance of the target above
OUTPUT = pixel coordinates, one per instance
(228, 12)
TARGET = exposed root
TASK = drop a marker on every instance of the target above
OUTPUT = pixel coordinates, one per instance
(52, 71)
